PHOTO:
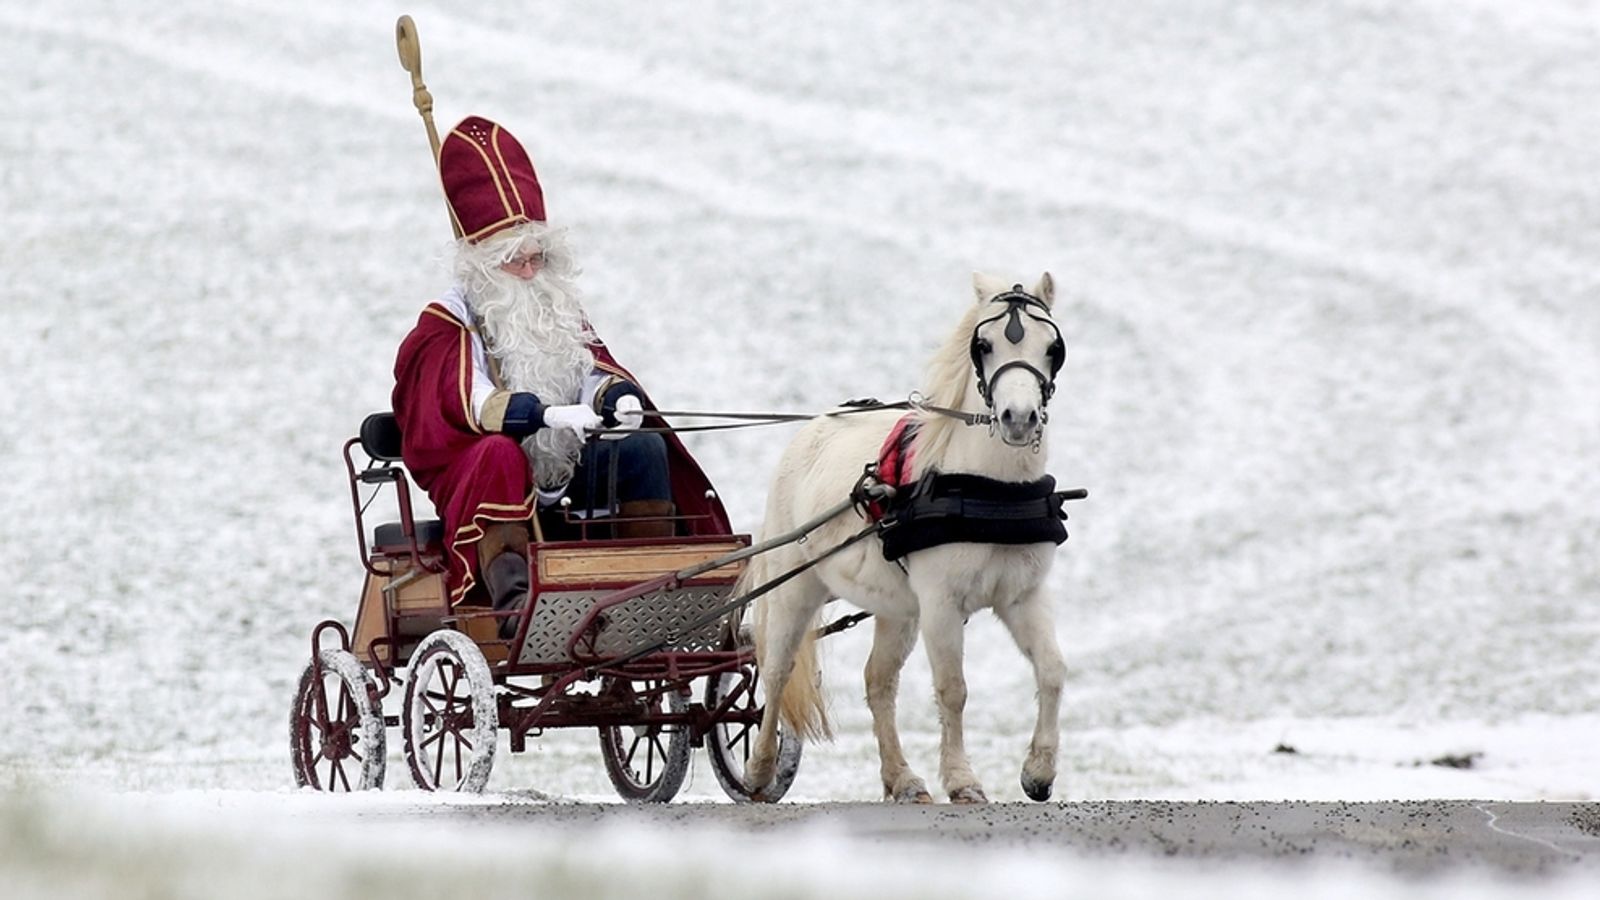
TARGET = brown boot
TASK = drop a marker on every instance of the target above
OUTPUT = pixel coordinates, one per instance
(498, 537)
(506, 577)
(645, 519)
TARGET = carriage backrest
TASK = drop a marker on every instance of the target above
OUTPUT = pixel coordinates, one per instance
(380, 437)
(401, 557)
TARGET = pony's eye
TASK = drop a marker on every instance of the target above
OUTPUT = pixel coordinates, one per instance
(984, 346)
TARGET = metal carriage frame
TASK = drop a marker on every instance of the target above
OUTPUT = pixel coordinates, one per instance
(615, 635)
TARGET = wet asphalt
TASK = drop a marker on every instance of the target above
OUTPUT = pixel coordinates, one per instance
(1420, 837)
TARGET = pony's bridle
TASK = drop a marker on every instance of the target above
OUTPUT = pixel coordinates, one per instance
(1017, 303)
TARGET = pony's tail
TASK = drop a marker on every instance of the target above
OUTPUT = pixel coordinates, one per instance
(802, 708)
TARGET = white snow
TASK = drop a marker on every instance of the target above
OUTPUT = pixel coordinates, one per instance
(1330, 293)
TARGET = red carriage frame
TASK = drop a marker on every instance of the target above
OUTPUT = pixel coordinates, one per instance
(405, 622)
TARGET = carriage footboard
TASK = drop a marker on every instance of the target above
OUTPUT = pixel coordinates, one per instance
(641, 605)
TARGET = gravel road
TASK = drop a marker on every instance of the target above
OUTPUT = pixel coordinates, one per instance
(1420, 837)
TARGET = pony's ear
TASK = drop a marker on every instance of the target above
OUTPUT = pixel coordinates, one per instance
(987, 286)
(1046, 291)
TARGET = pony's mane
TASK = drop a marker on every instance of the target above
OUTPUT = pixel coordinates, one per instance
(947, 383)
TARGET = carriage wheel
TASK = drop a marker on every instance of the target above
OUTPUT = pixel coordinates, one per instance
(646, 763)
(728, 743)
(336, 737)
(449, 719)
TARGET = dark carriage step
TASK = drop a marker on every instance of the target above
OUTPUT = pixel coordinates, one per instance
(429, 531)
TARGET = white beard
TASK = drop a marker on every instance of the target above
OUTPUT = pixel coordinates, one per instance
(535, 331)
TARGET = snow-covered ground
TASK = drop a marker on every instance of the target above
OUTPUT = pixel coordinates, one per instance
(1330, 288)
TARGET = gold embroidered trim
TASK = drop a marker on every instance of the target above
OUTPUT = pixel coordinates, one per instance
(494, 411)
(464, 369)
(436, 310)
(465, 379)
(600, 392)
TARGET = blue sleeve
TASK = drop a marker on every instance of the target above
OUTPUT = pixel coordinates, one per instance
(608, 403)
(524, 415)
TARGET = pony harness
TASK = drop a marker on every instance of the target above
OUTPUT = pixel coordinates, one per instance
(950, 508)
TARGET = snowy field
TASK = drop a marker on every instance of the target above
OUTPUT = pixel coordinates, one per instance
(1331, 288)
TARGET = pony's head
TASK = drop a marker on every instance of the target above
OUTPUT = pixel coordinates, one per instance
(1004, 355)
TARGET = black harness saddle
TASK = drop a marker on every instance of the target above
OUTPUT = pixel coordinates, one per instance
(948, 509)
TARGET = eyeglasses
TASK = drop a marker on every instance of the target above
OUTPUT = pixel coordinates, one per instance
(534, 258)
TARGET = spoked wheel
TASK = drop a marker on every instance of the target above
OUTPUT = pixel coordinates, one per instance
(449, 718)
(336, 726)
(646, 763)
(731, 738)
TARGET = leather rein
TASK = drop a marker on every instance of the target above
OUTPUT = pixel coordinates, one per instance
(1018, 303)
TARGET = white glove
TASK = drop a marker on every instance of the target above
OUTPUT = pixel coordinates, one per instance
(629, 413)
(575, 417)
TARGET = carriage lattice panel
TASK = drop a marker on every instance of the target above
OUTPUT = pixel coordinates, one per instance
(640, 622)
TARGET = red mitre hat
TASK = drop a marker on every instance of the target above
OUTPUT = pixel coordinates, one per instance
(489, 182)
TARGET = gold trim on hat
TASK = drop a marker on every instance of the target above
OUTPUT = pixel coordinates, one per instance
(487, 230)
(494, 143)
(499, 188)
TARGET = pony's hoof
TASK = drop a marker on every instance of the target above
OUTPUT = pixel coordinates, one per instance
(968, 795)
(758, 777)
(911, 793)
(757, 791)
(1036, 790)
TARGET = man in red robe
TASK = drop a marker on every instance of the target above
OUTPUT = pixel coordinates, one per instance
(502, 379)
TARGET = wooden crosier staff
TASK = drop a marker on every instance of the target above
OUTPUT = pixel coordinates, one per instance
(405, 41)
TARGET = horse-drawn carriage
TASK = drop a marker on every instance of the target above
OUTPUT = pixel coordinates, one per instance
(633, 637)
(639, 637)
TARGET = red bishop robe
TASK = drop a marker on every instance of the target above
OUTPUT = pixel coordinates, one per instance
(476, 476)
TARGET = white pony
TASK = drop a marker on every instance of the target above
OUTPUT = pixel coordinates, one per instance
(986, 364)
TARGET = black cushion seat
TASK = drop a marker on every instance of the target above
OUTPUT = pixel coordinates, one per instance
(429, 531)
